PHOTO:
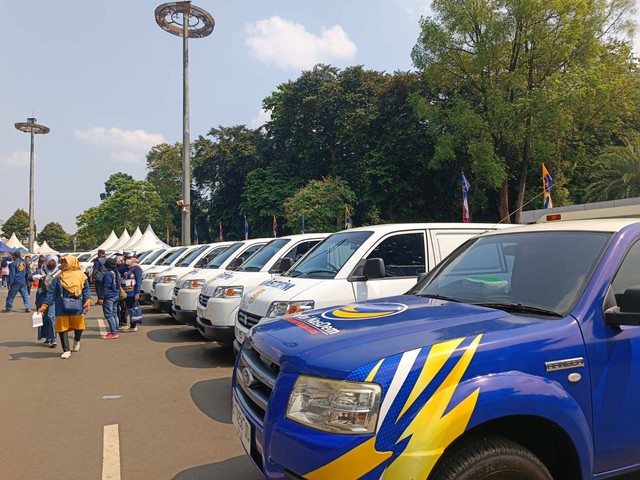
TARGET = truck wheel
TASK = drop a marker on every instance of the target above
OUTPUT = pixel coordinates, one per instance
(489, 457)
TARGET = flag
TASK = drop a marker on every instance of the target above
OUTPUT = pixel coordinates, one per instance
(275, 226)
(168, 238)
(347, 218)
(547, 185)
(302, 224)
(221, 234)
(195, 234)
(466, 216)
(246, 228)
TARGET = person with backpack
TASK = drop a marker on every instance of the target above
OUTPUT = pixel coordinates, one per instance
(70, 296)
(97, 274)
(131, 283)
(17, 283)
(48, 269)
(111, 296)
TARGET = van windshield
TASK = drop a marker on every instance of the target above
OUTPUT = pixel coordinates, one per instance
(224, 256)
(538, 273)
(258, 260)
(169, 260)
(151, 257)
(329, 256)
(192, 256)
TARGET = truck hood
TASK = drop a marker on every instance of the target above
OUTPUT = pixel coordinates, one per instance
(231, 278)
(258, 299)
(337, 340)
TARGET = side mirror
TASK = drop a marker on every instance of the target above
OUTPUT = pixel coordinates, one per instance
(628, 313)
(285, 264)
(373, 268)
(201, 263)
(235, 263)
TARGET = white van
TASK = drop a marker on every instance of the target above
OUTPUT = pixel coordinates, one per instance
(220, 297)
(187, 289)
(357, 264)
(170, 257)
(162, 288)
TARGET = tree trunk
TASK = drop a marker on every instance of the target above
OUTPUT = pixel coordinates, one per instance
(503, 207)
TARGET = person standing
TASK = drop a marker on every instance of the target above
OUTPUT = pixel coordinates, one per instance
(97, 274)
(111, 297)
(27, 259)
(48, 269)
(122, 267)
(131, 282)
(71, 286)
(17, 283)
(4, 271)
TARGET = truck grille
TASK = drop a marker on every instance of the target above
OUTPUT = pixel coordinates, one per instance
(247, 319)
(203, 299)
(258, 382)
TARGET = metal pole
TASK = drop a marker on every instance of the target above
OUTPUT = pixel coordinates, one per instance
(31, 200)
(186, 163)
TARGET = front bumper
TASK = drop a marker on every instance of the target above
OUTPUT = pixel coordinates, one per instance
(188, 317)
(222, 335)
(145, 297)
(161, 305)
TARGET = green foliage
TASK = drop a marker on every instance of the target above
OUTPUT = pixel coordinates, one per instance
(617, 173)
(164, 173)
(323, 204)
(17, 223)
(55, 236)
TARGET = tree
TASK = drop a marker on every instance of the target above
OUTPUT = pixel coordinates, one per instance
(496, 67)
(17, 223)
(323, 204)
(617, 173)
(55, 236)
(164, 172)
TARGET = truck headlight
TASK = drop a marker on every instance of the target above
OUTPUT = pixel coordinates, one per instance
(278, 309)
(336, 406)
(193, 284)
(167, 279)
(147, 276)
(228, 292)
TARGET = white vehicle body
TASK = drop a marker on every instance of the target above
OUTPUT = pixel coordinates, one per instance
(162, 288)
(149, 273)
(357, 264)
(220, 297)
(155, 257)
(187, 290)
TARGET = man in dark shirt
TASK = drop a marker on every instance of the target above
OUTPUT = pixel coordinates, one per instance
(97, 274)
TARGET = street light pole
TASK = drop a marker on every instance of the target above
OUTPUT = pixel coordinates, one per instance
(33, 129)
(185, 20)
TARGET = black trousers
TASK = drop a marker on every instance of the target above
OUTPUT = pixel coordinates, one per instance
(64, 339)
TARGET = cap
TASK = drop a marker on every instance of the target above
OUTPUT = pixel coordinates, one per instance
(128, 254)
(118, 252)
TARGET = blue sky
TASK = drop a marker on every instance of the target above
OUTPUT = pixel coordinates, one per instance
(107, 81)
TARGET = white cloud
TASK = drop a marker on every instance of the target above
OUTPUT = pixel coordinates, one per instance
(126, 157)
(116, 137)
(17, 159)
(263, 117)
(286, 44)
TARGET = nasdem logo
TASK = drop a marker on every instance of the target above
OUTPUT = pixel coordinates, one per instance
(365, 311)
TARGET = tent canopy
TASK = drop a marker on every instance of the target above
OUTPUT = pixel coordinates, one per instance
(124, 238)
(148, 241)
(13, 242)
(6, 248)
(46, 249)
(106, 245)
(137, 235)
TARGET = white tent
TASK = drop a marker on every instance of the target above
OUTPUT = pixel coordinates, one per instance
(106, 245)
(13, 242)
(46, 249)
(148, 241)
(36, 247)
(124, 238)
(137, 235)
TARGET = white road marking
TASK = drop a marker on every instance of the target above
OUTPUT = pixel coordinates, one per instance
(103, 327)
(111, 397)
(111, 453)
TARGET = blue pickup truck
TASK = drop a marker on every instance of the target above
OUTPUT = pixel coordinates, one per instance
(518, 357)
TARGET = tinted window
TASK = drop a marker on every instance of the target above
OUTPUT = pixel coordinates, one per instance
(403, 255)
(295, 253)
(249, 251)
(629, 272)
(173, 256)
(224, 256)
(152, 256)
(191, 257)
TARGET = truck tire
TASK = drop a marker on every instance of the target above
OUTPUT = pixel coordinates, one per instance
(489, 457)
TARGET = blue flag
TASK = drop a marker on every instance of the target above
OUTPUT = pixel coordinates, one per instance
(302, 226)
(246, 228)
(466, 216)
(547, 185)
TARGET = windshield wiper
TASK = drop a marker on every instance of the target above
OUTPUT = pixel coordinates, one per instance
(439, 297)
(520, 308)
(313, 272)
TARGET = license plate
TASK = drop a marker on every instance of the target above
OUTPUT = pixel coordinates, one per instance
(239, 335)
(243, 427)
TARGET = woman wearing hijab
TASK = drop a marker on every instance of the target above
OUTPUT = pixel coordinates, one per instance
(111, 296)
(71, 296)
(48, 269)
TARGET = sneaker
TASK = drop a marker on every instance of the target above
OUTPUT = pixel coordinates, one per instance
(112, 335)
(53, 345)
(66, 355)
(47, 343)
(27, 311)
(134, 329)
(76, 346)
(6, 311)
(124, 327)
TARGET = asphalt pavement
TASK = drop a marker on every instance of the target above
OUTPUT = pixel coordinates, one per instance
(152, 404)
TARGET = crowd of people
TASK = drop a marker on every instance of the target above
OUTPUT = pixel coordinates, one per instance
(63, 295)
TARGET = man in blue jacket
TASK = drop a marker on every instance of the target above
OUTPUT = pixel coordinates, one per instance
(17, 283)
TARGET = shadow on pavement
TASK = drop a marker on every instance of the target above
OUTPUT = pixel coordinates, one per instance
(175, 335)
(200, 356)
(20, 355)
(213, 399)
(21, 344)
(236, 468)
